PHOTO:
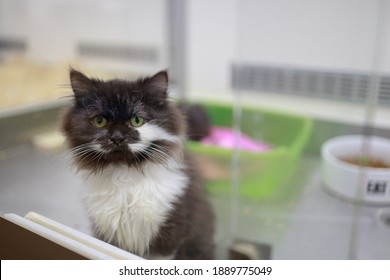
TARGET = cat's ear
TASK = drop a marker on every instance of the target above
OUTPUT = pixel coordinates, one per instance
(158, 84)
(80, 83)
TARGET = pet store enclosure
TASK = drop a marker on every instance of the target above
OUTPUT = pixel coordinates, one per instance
(292, 77)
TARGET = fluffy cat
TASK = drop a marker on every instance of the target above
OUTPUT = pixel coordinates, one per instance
(143, 193)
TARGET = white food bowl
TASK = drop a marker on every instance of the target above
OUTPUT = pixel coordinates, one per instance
(352, 181)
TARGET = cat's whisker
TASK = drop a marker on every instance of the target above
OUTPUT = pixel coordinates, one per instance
(161, 150)
(160, 156)
(97, 157)
(148, 156)
(91, 154)
(85, 152)
(63, 86)
(137, 159)
(151, 157)
(70, 96)
(100, 157)
(68, 154)
(81, 146)
(156, 152)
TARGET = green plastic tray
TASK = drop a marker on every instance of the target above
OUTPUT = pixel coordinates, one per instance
(260, 173)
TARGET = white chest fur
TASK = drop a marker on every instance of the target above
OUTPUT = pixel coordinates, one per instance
(128, 205)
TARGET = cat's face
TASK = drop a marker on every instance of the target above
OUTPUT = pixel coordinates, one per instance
(122, 122)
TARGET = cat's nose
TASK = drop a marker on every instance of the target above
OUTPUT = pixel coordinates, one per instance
(117, 137)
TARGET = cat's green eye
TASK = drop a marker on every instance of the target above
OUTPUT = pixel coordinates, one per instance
(99, 121)
(137, 121)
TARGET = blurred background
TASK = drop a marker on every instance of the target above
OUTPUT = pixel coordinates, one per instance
(289, 74)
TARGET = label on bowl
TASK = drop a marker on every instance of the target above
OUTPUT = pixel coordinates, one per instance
(377, 187)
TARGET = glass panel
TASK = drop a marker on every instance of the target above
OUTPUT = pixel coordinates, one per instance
(39, 42)
(285, 76)
(317, 68)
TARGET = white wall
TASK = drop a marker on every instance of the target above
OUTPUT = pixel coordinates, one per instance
(333, 34)
(327, 34)
(212, 28)
(53, 28)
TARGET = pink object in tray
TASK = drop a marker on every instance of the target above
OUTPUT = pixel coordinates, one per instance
(226, 138)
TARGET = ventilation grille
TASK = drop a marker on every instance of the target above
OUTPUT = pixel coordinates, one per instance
(119, 52)
(346, 86)
(11, 44)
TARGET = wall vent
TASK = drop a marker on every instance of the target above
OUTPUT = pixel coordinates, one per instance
(11, 44)
(118, 52)
(345, 86)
